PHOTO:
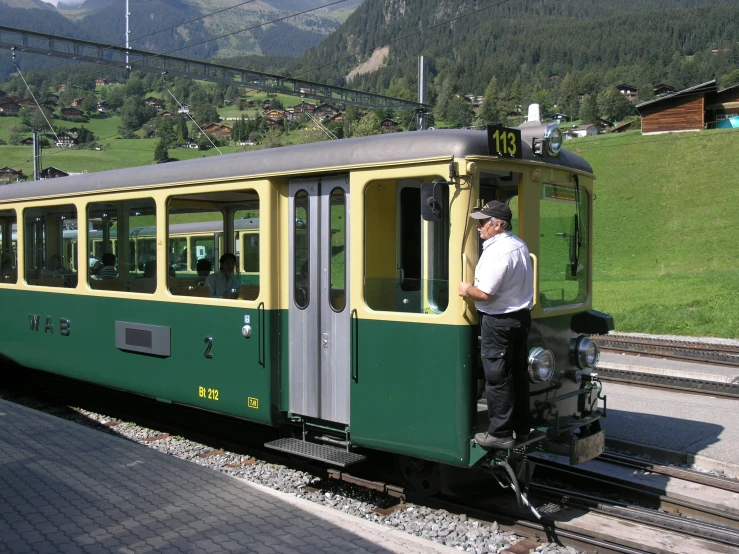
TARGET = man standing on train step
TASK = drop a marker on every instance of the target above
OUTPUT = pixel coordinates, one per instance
(503, 293)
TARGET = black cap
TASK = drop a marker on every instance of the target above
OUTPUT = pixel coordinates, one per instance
(495, 209)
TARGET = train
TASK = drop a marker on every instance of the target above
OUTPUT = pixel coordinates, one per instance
(346, 333)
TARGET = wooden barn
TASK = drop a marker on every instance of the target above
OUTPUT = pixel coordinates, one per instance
(691, 109)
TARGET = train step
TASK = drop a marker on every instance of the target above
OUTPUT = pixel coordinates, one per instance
(328, 454)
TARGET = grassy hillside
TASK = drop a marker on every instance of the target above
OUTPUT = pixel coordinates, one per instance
(666, 257)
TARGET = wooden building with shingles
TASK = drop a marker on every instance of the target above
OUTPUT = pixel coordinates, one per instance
(691, 109)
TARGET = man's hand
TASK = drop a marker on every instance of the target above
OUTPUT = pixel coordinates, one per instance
(463, 289)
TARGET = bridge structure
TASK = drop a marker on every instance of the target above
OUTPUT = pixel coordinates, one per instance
(105, 54)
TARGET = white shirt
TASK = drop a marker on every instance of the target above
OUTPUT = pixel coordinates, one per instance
(504, 272)
(220, 285)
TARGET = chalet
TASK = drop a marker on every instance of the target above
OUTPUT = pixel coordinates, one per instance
(218, 130)
(275, 114)
(580, 131)
(8, 107)
(605, 123)
(304, 107)
(560, 117)
(52, 173)
(274, 123)
(661, 89)
(628, 91)
(267, 105)
(324, 111)
(623, 127)
(27, 141)
(336, 118)
(114, 82)
(189, 143)
(65, 140)
(474, 101)
(11, 175)
(167, 114)
(184, 108)
(99, 81)
(156, 103)
(27, 102)
(71, 112)
(388, 125)
(73, 132)
(14, 98)
(691, 109)
(555, 77)
(77, 102)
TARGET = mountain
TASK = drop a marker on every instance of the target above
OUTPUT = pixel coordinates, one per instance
(103, 21)
(629, 41)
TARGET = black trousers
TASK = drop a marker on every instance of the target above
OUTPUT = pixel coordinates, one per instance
(505, 365)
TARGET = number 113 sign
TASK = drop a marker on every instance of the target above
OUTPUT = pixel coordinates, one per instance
(504, 142)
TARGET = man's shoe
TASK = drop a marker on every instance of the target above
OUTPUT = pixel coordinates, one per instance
(487, 440)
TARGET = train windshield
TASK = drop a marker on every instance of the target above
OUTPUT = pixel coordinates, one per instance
(563, 246)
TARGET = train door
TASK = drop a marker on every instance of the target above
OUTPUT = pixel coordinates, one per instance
(318, 314)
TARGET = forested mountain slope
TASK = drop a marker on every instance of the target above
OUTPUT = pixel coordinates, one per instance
(640, 42)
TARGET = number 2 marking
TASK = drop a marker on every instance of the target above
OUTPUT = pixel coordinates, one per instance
(209, 342)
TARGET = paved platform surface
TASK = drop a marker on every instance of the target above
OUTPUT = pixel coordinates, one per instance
(65, 488)
(702, 425)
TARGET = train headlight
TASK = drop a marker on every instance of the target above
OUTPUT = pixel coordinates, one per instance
(553, 139)
(584, 352)
(541, 365)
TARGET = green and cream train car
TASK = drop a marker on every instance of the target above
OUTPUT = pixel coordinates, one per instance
(347, 333)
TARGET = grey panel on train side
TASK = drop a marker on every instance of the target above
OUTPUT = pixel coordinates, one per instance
(319, 340)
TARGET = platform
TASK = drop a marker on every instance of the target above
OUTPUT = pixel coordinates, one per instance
(71, 489)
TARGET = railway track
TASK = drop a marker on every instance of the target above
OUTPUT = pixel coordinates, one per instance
(704, 353)
(716, 384)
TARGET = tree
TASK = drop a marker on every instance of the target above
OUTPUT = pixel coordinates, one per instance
(459, 113)
(445, 97)
(589, 111)
(490, 111)
(730, 79)
(205, 113)
(115, 97)
(160, 152)
(90, 104)
(15, 136)
(182, 131)
(613, 105)
(368, 125)
(203, 142)
(273, 139)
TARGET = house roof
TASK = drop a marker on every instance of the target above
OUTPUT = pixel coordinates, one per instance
(708, 86)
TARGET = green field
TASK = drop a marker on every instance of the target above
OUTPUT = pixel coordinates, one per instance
(665, 251)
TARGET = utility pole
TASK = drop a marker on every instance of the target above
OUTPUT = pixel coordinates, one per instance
(127, 33)
(423, 92)
(36, 157)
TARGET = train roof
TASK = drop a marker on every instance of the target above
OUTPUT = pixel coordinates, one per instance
(378, 149)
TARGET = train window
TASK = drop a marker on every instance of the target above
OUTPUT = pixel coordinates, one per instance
(338, 250)
(50, 243)
(563, 245)
(130, 268)
(301, 260)
(406, 258)
(8, 245)
(204, 227)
